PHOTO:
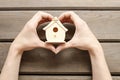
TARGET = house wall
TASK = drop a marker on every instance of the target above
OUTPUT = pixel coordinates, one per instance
(60, 34)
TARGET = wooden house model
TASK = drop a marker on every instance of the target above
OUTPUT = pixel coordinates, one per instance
(55, 32)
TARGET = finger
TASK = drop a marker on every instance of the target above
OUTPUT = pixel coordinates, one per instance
(46, 17)
(73, 17)
(65, 17)
(51, 47)
(43, 21)
(62, 47)
(40, 16)
(59, 48)
(48, 46)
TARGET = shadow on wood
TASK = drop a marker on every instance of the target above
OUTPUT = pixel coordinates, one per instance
(43, 61)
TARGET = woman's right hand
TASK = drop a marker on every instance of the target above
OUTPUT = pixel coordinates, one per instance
(28, 38)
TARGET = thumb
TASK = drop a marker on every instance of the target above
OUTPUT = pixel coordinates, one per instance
(50, 47)
(62, 47)
(46, 45)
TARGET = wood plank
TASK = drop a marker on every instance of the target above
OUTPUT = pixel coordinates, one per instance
(60, 4)
(68, 61)
(60, 77)
(104, 24)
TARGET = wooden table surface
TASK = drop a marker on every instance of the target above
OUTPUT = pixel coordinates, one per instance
(103, 18)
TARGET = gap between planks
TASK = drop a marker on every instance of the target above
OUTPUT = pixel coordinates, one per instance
(60, 8)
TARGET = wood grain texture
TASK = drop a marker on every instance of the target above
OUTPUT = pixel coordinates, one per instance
(60, 78)
(68, 61)
(69, 64)
(60, 4)
(104, 24)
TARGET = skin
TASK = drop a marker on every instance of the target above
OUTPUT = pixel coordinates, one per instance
(28, 39)
(84, 39)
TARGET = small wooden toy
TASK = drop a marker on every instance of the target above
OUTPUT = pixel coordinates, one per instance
(55, 31)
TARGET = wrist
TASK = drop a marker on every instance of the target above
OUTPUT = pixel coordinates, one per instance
(15, 50)
(96, 51)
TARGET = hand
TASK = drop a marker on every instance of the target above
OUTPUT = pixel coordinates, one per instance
(28, 37)
(83, 38)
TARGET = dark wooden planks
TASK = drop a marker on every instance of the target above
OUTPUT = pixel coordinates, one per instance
(60, 77)
(57, 78)
(104, 24)
(68, 61)
(59, 4)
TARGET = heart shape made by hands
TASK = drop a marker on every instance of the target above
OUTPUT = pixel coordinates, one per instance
(69, 33)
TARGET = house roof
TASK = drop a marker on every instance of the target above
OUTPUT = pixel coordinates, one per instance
(55, 20)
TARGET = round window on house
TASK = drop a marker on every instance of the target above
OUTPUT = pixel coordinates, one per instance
(55, 29)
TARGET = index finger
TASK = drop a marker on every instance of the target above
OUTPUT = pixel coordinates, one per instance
(71, 16)
(40, 16)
